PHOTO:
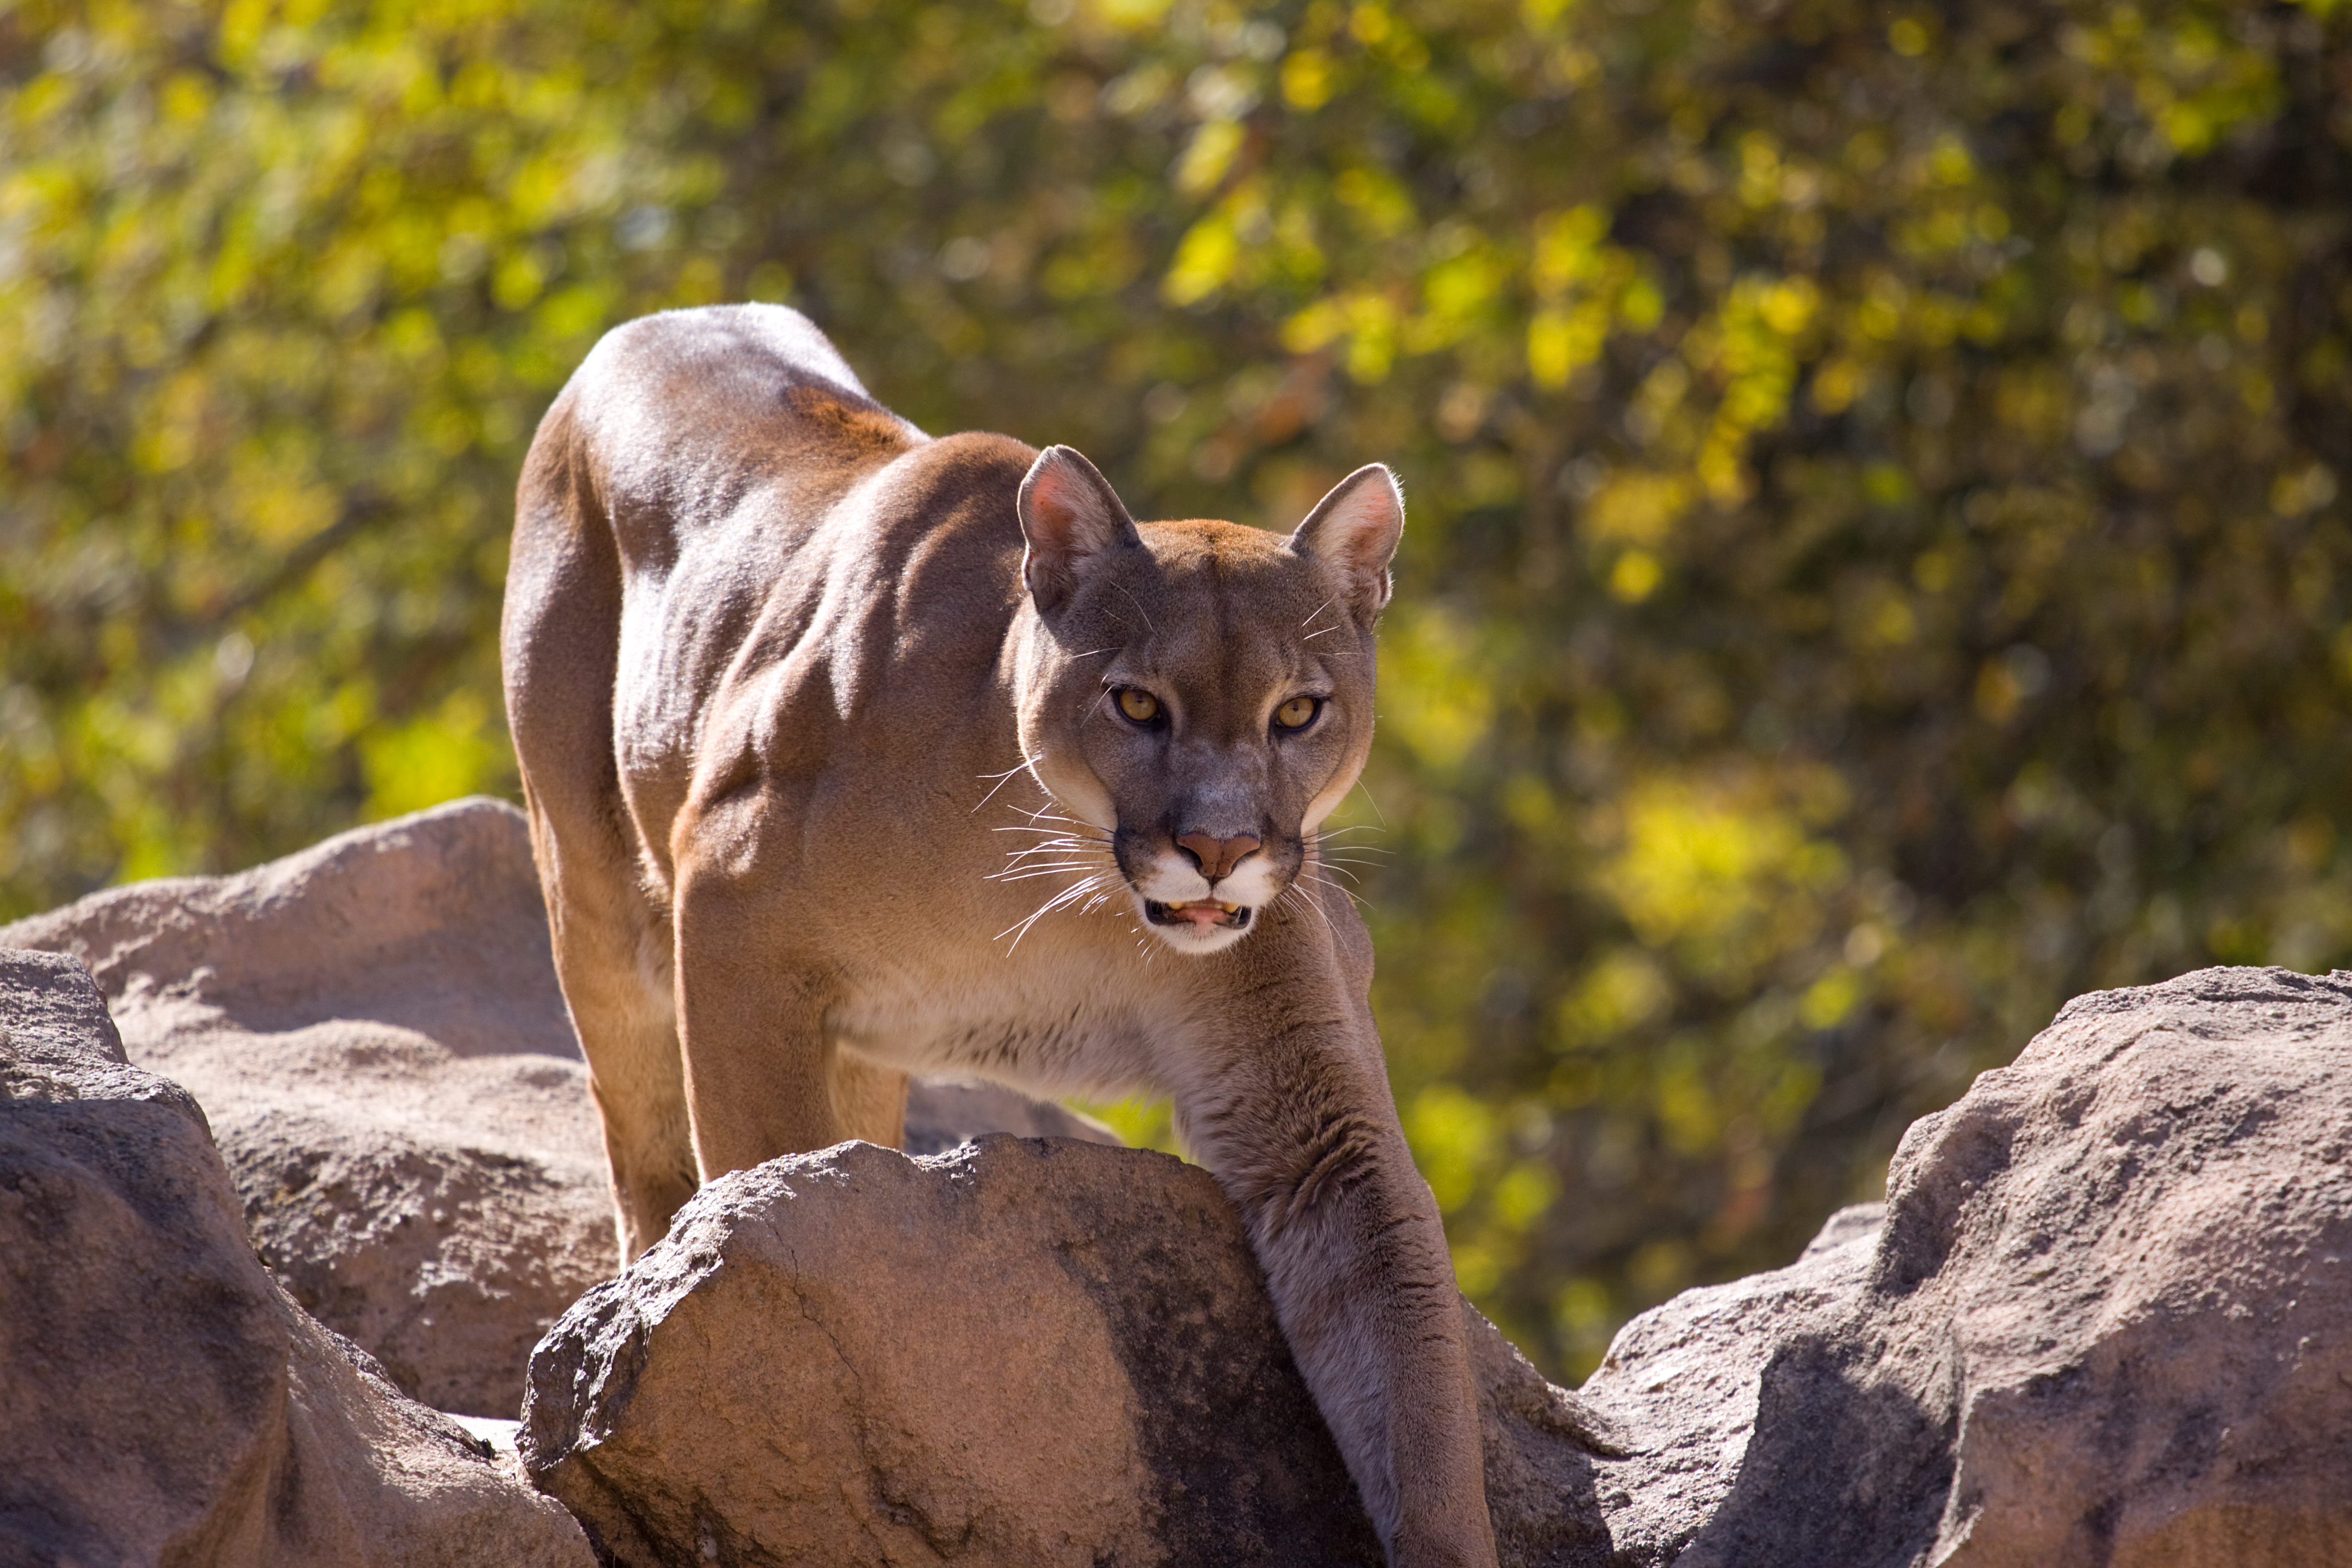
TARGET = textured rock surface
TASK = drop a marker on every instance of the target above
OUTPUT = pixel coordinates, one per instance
(2105, 1318)
(374, 1028)
(1027, 1352)
(853, 1357)
(161, 1399)
(1682, 1381)
(2108, 1321)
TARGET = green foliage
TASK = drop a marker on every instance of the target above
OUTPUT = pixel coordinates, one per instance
(1877, 564)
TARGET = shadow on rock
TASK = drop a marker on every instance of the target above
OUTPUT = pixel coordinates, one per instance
(1844, 1469)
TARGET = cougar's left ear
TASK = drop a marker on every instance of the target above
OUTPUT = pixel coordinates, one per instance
(1356, 529)
(1069, 515)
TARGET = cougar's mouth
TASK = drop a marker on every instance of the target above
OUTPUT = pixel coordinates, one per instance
(1203, 912)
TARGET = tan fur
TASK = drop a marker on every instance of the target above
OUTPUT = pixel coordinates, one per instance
(816, 716)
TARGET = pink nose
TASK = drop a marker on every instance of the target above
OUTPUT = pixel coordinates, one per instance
(1218, 857)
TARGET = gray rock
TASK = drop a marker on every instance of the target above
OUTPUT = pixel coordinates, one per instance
(2104, 1317)
(161, 1398)
(1031, 1351)
(2108, 1318)
(374, 1028)
(947, 1114)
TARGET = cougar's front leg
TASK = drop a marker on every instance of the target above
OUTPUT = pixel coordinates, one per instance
(751, 1021)
(1298, 1125)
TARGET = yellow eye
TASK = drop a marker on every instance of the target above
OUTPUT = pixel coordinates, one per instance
(1140, 706)
(1295, 713)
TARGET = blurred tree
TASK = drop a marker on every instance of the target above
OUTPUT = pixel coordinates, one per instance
(1877, 564)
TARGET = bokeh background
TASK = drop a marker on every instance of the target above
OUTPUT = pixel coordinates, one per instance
(1877, 563)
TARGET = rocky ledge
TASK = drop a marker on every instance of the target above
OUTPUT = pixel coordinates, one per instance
(2105, 1316)
(162, 1399)
(374, 1029)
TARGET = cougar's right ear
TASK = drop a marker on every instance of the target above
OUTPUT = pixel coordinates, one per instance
(1356, 527)
(1069, 515)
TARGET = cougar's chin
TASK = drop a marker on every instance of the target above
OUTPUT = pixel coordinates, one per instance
(1198, 925)
(1192, 914)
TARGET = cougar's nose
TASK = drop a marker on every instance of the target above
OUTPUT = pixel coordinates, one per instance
(1217, 857)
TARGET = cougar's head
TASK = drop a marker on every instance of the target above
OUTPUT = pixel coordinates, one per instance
(1199, 693)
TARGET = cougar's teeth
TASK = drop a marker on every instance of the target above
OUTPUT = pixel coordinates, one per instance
(1229, 909)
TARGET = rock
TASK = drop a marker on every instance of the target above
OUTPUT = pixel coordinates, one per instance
(1682, 1382)
(854, 1357)
(2104, 1317)
(2108, 1318)
(946, 1113)
(161, 1398)
(374, 1028)
(1025, 1353)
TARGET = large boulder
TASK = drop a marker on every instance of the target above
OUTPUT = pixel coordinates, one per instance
(2108, 1318)
(1032, 1351)
(2104, 1317)
(374, 1028)
(161, 1398)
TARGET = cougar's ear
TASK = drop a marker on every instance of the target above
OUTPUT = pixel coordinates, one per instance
(1069, 515)
(1356, 529)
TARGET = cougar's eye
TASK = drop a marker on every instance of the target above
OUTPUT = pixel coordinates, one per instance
(1299, 712)
(1140, 706)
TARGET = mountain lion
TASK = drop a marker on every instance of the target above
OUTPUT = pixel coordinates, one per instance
(851, 753)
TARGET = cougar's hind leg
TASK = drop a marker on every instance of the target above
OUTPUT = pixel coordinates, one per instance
(614, 959)
(612, 955)
(560, 647)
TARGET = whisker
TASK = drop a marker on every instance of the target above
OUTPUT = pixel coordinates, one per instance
(1138, 609)
(1060, 847)
(1310, 903)
(1029, 873)
(1074, 891)
(1001, 780)
(1318, 610)
(1336, 888)
(1059, 840)
(1087, 834)
(1042, 814)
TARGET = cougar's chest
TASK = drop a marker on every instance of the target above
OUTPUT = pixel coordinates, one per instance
(1054, 1025)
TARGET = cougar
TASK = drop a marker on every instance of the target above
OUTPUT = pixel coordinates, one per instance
(851, 752)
